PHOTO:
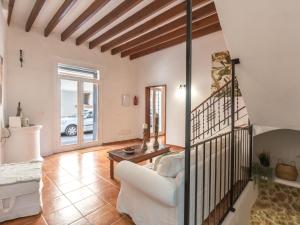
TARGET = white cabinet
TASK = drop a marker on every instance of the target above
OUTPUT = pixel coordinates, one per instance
(23, 145)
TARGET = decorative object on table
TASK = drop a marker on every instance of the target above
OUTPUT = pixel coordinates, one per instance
(262, 171)
(286, 171)
(156, 143)
(21, 57)
(14, 122)
(125, 100)
(144, 145)
(19, 110)
(264, 158)
(129, 150)
(24, 121)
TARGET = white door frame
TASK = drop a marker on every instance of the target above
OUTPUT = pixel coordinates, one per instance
(80, 144)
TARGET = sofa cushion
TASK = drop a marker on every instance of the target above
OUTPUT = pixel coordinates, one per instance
(159, 158)
(15, 173)
(170, 165)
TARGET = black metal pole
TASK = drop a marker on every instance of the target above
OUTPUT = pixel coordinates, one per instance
(188, 112)
(233, 63)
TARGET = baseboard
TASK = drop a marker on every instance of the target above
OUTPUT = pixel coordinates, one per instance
(175, 146)
(122, 142)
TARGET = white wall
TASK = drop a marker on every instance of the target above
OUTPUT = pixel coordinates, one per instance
(2, 53)
(243, 206)
(266, 39)
(35, 84)
(168, 67)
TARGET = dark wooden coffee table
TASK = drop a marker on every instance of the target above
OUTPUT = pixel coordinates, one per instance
(139, 155)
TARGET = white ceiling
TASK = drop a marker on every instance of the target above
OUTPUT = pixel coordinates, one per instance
(23, 8)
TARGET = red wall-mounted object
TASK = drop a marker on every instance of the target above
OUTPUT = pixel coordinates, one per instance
(135, 100)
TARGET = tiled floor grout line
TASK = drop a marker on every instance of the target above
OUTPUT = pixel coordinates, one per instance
(73, 204)
(84, 185)
(117, 220)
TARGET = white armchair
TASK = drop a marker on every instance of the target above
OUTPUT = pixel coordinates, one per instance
(152, 199)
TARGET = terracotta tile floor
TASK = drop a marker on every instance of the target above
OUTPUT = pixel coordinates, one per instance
(78, 190)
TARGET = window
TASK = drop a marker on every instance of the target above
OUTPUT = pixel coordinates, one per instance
(75, 71)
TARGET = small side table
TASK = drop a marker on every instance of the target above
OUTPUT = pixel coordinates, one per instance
(139, 155)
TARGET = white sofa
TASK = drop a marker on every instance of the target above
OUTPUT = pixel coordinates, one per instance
(20, 188)
(151, 199)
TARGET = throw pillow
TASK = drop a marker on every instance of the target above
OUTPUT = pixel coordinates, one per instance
(170, 165)
(157, 160)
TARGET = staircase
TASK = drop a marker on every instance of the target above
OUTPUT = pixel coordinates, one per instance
(213, 115)
(268, 44)
(220, 156)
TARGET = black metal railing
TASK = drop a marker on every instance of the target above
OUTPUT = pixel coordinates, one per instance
(214, 114)
(212, 168)
(219, 165)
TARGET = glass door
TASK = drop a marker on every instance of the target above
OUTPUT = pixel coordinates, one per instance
(69, 112)
(90, 112)
(79, 108)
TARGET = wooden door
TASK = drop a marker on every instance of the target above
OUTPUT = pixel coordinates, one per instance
(147, 111)
(151, 93)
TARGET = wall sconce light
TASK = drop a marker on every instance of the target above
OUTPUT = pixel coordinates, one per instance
(21, 57)
(182, 86)
(180, 93)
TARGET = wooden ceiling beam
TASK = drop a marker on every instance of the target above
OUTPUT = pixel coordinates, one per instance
(176, 41)
(11, 4)
(197, 14)
(34, 13)
(117, 12)
(148, 10)
(83, 18)
(160, 19)
(59, 15)
(197, 25)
